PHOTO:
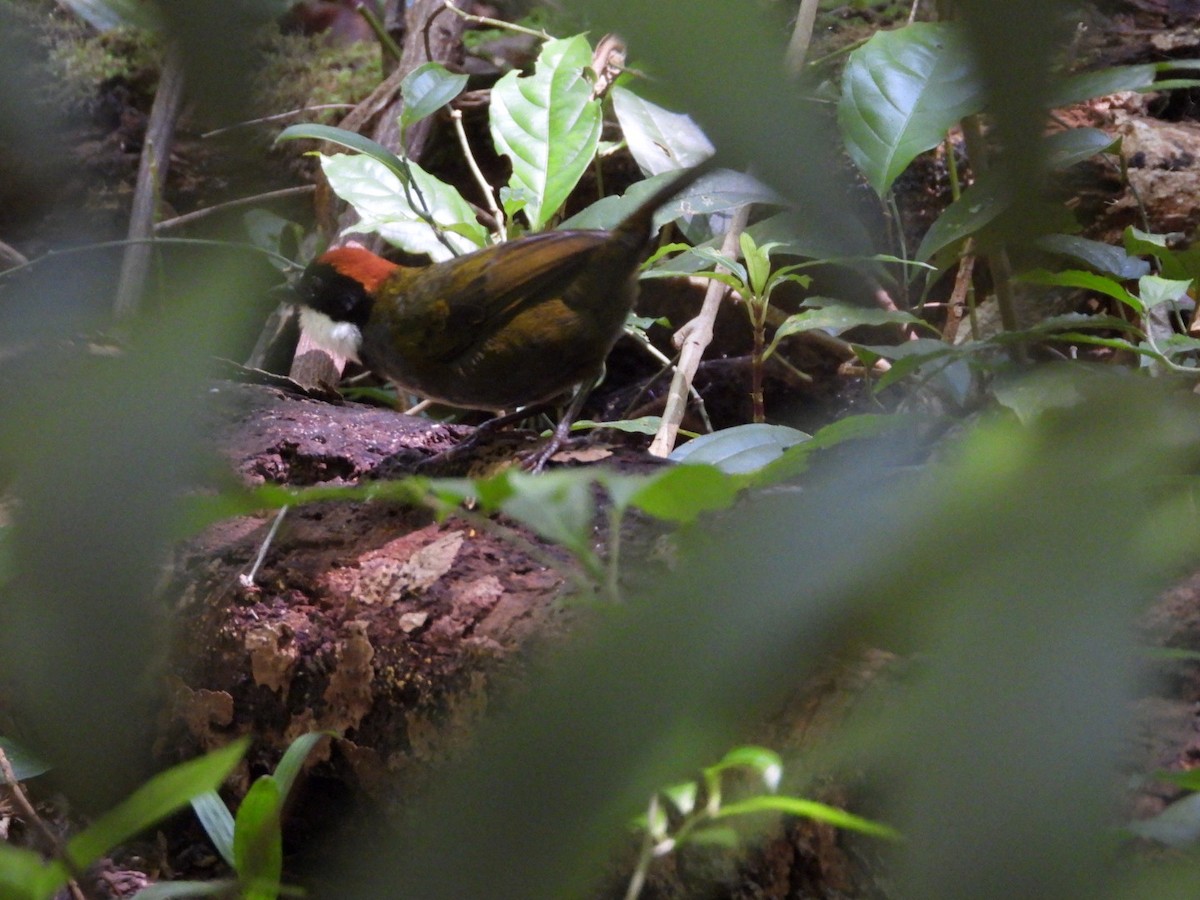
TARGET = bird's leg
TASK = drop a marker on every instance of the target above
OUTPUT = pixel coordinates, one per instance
(563, 430)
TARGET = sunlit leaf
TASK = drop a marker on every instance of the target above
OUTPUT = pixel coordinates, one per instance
(548, 125)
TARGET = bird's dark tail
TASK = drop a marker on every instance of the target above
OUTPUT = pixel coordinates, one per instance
(638, 224)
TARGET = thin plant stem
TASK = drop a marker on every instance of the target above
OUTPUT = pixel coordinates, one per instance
(489, 197)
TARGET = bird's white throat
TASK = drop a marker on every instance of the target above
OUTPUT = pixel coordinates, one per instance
(342, 338)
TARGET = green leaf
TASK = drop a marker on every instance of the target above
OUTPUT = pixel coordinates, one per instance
(399, 214)
(762, 760)
(1085, 86)
(155, 800)
(258, 839)
(1066, 148)
(24, 764)
(217, 822)
(105, 15)
(1154, 291)
(1104, 258)
(548, 125)
(24, 875)
(660, 140)
(901, 91)
(293, 759)
(556, 505)
(741, 449)
(641, 425)
(838, 317)
(810, 809)
(1101, 284)
(426, 89)
(682, 493)
(351, 140)
(758, 263)
(976, 207)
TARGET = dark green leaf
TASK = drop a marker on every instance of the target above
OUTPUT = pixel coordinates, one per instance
(682, 493)
(1066, 148)
(351, 140)
(901, 91)
(157, 798)
(24, 764)
(426, 89)
(1103, 258)
(1090, 281)
(1085, 86)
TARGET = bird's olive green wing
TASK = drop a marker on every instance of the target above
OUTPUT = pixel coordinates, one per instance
(484, 291)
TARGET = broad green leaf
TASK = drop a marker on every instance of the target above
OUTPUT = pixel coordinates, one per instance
(682, 493)
(1154, 291)
(426, 89)
(105, 15)
(810, 809)
(548, 125)
(24, 764)
(217, 821)
(258, 839)
(1085, 86)
(351, 140)
(1066, 148)
(838, 317)
(976, 207)
(386, 206)
(1088, 280)
(741, 449)
(1104, 258)
(660, 140)
(24, 875)
(1029, 398)
(156, 799)
(556, 505)
(901, 91)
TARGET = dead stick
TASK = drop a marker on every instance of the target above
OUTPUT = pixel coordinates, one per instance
(693, 339)
(152, 172)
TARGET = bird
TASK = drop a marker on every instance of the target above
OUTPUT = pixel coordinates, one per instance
(513, 325)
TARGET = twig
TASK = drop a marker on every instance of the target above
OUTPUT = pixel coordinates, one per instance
(497, 215)
(262, 120)
(152, 170)
(497, 23)
(188, 218)
(11, 257)
(802, 34)
(693, 338)
(31, 816)
(385, 39)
